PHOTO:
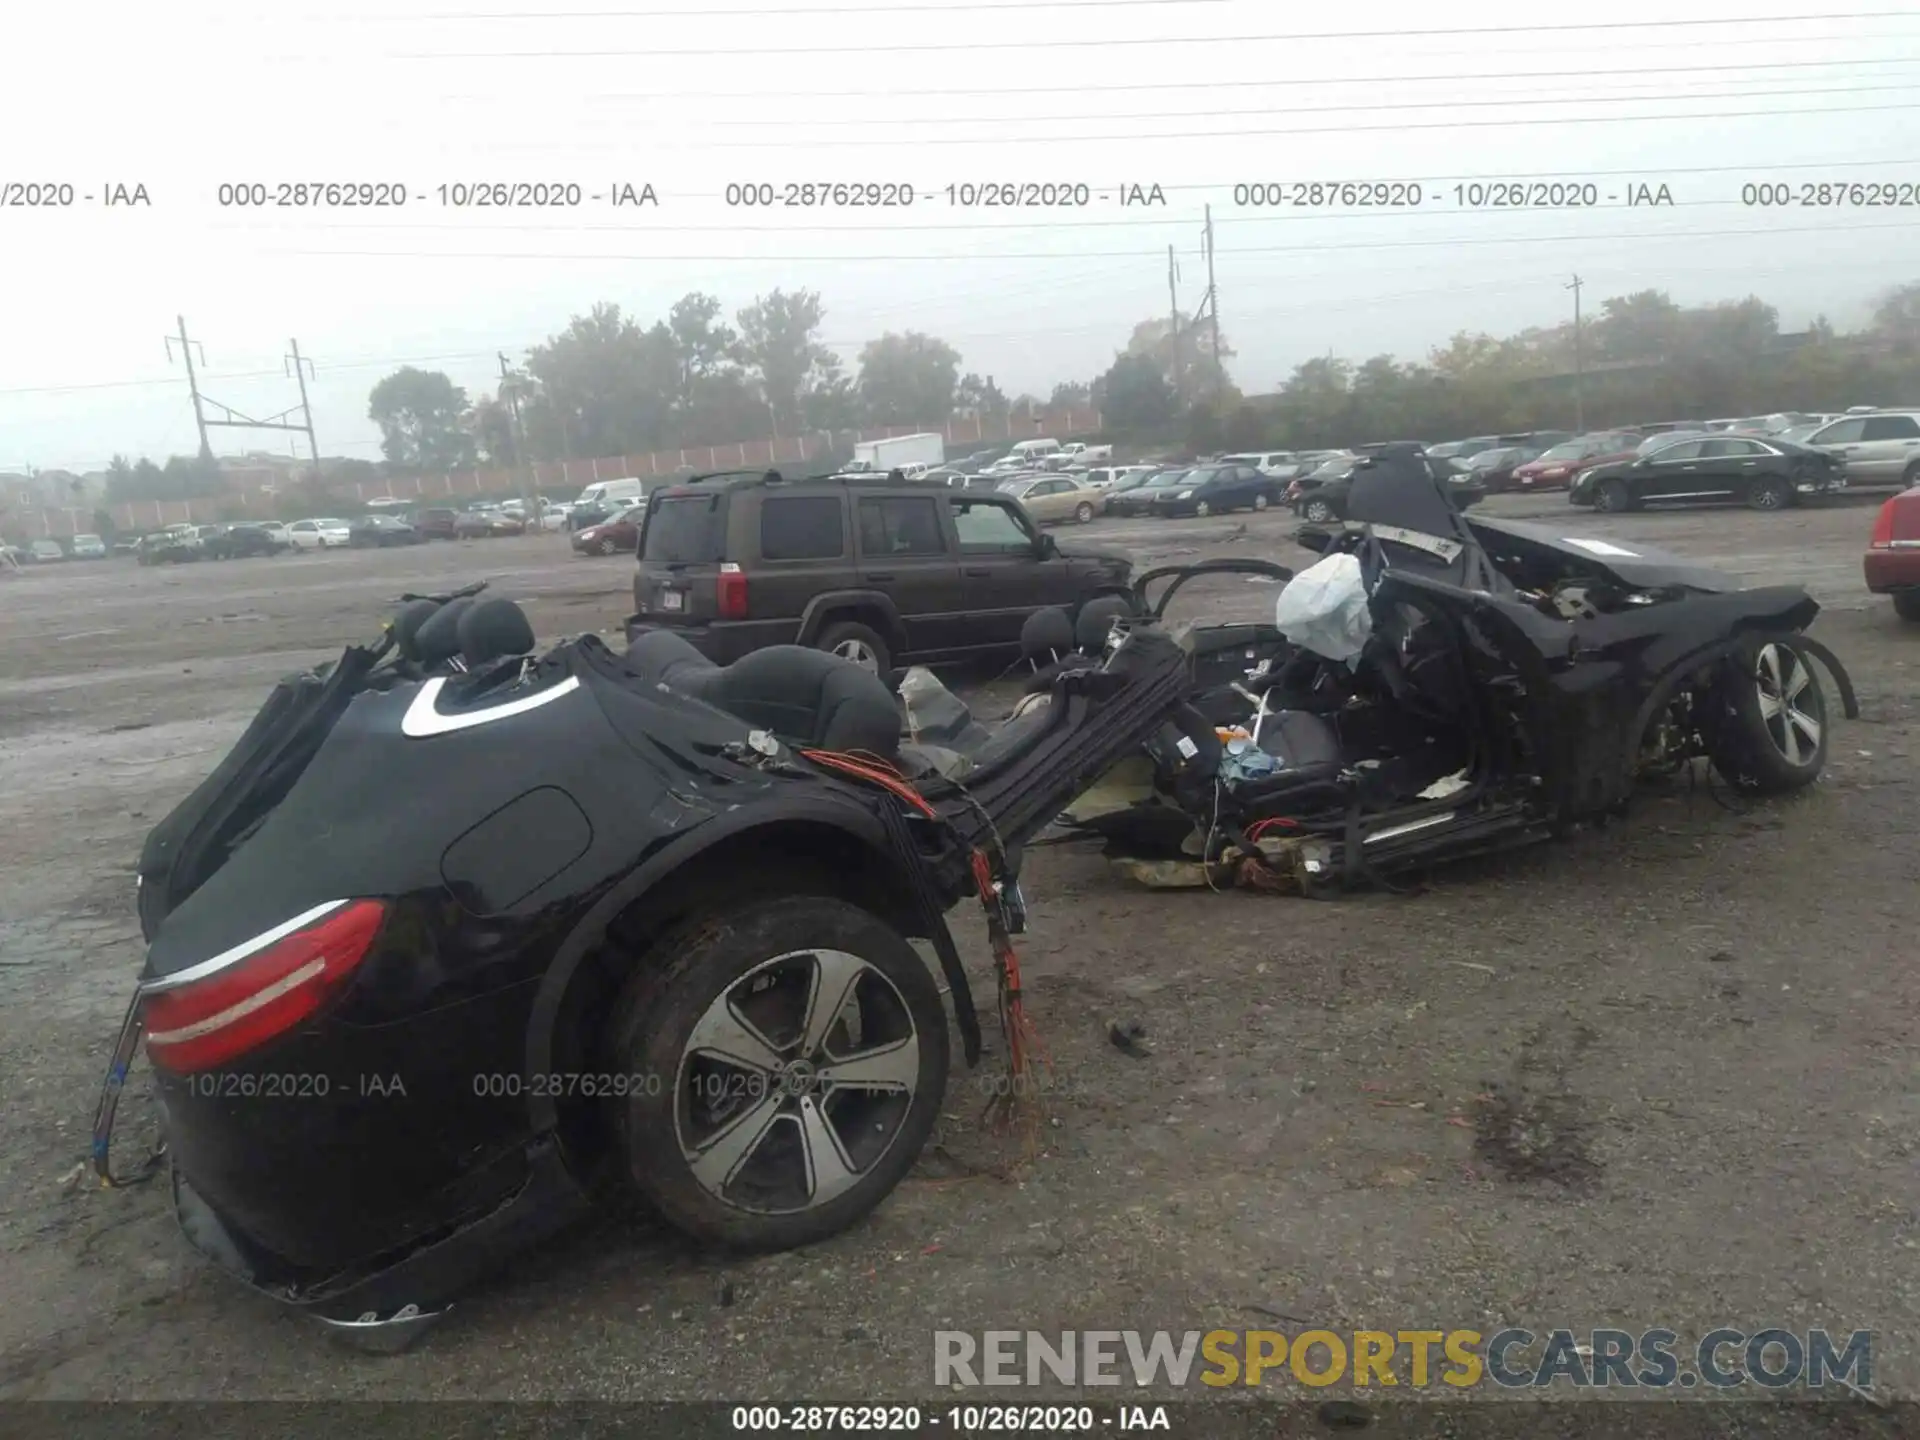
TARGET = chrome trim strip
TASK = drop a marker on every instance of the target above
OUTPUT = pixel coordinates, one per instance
(239, 952)
(423, 717)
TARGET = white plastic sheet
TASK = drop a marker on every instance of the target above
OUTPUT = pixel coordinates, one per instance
(1324, 608)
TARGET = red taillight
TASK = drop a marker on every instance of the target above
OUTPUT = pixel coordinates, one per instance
(1898, 522)
(730, 593)
(1883, 527)
(200, 1021)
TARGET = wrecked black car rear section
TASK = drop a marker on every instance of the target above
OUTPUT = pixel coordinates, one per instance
(509, 838)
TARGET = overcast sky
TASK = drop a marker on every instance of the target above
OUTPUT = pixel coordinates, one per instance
(1192, 95)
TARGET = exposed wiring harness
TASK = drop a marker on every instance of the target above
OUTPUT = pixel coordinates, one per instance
(1025, 1049)
(123, 1051)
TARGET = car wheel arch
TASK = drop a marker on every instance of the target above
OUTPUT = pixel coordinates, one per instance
(847, 854)
(865, 607)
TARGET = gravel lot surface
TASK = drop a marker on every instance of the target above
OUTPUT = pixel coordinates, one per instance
(1706, 1016)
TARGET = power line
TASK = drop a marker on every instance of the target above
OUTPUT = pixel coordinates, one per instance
(1289, 82)
(1457, 242)
(1079, 42)
(1133, 137)
(1505, 102)
(962, 6)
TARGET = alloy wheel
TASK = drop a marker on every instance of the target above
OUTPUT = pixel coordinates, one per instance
(1766, 496)
(859, 652)
(1318, 511)
(1259, 502)
(796, 1081)
(1782, 681)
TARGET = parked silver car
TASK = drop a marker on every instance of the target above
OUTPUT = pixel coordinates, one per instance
(1878, 449)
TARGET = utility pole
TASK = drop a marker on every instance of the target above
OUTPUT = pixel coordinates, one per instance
(510, 389)
(193, 383)
(1579, 362)
(1213, 311)
(1173, 324)
(300, 366)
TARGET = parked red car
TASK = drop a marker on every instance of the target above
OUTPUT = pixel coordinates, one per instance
(1554, 469)
(617, 532)
(1892, 563)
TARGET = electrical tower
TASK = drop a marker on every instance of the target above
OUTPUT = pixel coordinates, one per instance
(232, 419)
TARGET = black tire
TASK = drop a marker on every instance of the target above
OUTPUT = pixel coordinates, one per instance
(1906, 604)
(1613, 498)
(1766, 722)
(1083, 512)
(1260, 502)
(1911, 477)
(1769, 492)
(652, 1034)
(1317, 512)
(1202, 510)
(603, 546)
(849, 636)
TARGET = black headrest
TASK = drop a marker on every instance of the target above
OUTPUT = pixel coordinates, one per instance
(1048, 632)
(438, 638)
(494, 629)
(1096, 621)
(406, 626)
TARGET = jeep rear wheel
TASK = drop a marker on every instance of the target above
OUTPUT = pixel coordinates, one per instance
(853, 641)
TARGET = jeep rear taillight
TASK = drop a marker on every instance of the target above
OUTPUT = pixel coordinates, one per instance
(210, 1014)
(730, 593)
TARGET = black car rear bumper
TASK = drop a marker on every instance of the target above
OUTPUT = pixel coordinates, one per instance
(427, 1275)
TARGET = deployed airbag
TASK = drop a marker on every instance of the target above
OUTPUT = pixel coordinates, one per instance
(1324, 608)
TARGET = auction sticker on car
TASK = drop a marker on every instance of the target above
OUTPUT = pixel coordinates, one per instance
(1601, 547)
(671, 600)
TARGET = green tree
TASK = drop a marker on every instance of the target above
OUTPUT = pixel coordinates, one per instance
(829, 399)
(1186, 359)
(981, 397)
(1896, 317)
(909, 379)
(421, 415)
(1137, 400)
(1072, 394)
(603, 386)
(780, 347)
(711, 393)
(1640, 326)
(492, 427)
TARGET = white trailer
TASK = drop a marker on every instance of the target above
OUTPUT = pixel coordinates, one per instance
(884, 455)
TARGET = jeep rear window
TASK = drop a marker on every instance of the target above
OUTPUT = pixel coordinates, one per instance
(686, 530)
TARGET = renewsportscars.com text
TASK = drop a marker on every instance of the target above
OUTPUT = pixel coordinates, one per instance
(1721, 1359)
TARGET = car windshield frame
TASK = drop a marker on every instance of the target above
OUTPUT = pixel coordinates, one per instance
(1167, 479)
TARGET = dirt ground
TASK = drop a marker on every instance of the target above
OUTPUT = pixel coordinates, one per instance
(1705, 1016)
